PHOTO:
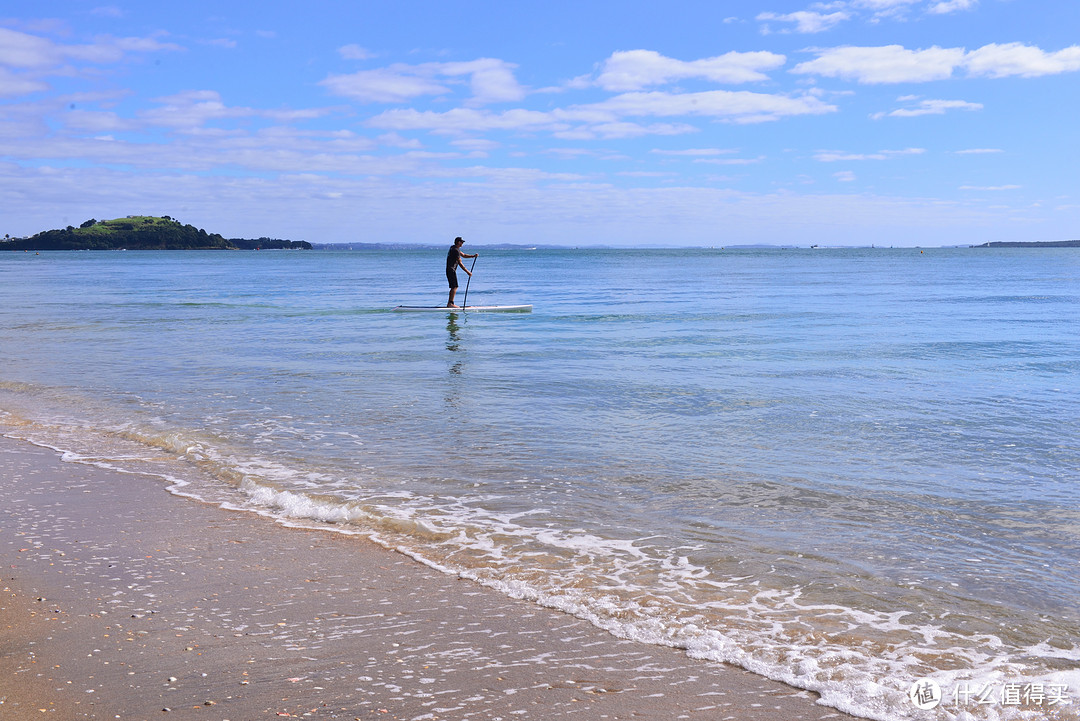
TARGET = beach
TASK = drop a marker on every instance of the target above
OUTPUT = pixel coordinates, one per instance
(121, 600)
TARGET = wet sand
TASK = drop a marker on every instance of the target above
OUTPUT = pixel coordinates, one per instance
(119, 600)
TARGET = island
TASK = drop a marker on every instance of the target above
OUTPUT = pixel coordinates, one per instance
(142, 232)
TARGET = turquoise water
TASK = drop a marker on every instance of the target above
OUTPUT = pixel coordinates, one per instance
(846, 469)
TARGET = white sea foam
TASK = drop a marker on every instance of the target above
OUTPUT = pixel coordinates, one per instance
(766, 630)
(631, 587)
(868, 681)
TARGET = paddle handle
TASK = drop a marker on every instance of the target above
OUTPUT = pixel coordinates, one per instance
(465, 298)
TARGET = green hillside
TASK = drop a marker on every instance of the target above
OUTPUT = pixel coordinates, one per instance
(139, 232)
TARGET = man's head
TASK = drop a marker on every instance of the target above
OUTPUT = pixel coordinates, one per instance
(458, 241)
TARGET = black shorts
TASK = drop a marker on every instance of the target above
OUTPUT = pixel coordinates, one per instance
(451, 277)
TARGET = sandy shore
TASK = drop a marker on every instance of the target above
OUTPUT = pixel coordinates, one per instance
(120, 600)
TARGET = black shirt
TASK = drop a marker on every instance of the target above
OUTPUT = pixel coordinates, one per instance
(452, 258)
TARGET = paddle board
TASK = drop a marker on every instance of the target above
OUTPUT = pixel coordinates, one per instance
(466, 309)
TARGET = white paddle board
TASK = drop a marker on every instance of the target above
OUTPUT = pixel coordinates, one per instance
(466, 309)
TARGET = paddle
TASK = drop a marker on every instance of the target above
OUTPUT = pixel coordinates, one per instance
(466, 296)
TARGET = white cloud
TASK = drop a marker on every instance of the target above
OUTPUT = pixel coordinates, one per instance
(617, 130)
(807, 21)
(108, 49)
(885, 9)
(1017, 59)
(845, 176)
(475, 145)
(490, 80)
(824, 16)
(32, 52)
(990, 187)
(12, 84)
(636, 69)
(95, 121)
(385, 85)
(979, 151)
(467, 120)
(897, 64)
(886, 64)
(22, 50)
(190, 111)
(26, 59)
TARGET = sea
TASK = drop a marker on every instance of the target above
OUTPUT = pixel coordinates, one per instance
(852, 470)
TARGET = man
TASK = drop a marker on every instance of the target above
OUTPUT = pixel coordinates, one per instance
(453, 260)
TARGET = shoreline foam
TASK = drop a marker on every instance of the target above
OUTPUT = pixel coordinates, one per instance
(121, 599)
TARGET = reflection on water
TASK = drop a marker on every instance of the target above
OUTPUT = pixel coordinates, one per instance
(452, 330)
(453, 341)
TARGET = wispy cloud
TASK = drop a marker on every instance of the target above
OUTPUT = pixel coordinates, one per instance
(730, 161)
(227, 43)
(355, 52)
(824, 16)
(951, 6)
(13, 84)
(832, 156)
(108, 11)
(927, 107)
(693, 152)
(608, 118)
(804, 21)
(490, 80)
(32, 52)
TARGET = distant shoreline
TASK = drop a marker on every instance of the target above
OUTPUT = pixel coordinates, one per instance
(1031, 244)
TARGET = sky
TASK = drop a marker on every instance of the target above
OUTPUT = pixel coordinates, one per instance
(680, 123)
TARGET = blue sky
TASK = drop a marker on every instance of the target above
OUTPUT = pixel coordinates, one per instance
(893, 122)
